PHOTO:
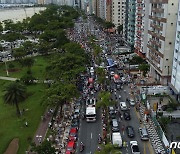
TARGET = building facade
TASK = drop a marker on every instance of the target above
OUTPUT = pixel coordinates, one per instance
(131, 23)
(118, 12)
(161, 33)
(141, 27)
(175, 77)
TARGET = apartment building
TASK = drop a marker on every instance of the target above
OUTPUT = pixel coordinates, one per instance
(131, 22)
(175, 77)
(118, 12)
(109, 10)
(161, 33)
(102, 9)
(141, 27)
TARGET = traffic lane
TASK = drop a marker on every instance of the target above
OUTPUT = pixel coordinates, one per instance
(144, 146)
(134, 122)
(88, 134)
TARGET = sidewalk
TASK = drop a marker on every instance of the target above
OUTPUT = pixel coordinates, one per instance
(43, 127)
(8, 78)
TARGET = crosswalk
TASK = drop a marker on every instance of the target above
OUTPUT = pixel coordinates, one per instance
(155, 139)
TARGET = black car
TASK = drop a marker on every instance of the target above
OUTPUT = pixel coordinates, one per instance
(130, 131)
(75, 123)
(127, 116)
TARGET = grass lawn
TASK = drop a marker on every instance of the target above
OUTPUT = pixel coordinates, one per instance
(12, 126)
(38, 69)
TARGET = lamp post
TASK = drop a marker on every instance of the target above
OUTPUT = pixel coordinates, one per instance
(7, 73)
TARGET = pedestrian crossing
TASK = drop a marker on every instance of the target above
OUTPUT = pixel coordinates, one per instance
(155, 139)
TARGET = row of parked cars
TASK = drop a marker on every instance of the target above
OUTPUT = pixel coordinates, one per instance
(73, 132)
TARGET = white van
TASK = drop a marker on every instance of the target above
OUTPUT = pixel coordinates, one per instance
(117, 139)
(91, 70)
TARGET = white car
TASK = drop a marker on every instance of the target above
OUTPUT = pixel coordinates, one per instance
(123, 106)
(132, 102)
(112, 73)
(134, 147)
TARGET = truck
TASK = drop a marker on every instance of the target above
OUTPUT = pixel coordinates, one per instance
(117, 139)
(90, 113)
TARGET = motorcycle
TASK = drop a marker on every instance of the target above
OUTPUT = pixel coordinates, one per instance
(99, 139)
(81, 147)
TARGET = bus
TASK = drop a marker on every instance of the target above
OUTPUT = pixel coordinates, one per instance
(90, 113)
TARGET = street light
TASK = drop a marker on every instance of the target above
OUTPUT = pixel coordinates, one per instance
(7, 73)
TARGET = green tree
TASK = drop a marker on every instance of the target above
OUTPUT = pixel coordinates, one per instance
(15, 93)
(108, 149)
(104, 99)
(44, 148)
(60, 93)
(28, 62)
(19, 53)
(101, 75)
(144, 68)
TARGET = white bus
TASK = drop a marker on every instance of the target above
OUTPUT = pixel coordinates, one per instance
(90, 114)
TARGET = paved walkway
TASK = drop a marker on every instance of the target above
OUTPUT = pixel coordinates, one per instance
(8, 78)
(43, 127)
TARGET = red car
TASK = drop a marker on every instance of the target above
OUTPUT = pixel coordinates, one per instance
(70, 149)
(73, 134)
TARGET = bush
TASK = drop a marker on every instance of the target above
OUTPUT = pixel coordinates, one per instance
(11, 66)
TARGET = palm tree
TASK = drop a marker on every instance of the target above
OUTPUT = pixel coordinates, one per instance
(15, 93)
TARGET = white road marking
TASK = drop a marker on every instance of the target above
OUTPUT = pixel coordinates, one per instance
(91, 135)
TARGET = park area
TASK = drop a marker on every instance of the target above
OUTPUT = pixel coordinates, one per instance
(16, 70)
(13, 126)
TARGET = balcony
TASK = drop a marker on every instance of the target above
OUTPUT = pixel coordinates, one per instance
(156, 35)
(155, 51)
(155, 42)
(158, 27)
(158, 10)
(158, 19)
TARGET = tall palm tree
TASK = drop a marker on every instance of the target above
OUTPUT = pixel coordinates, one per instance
(14, 94)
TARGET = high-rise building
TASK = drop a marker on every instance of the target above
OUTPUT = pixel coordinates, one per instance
(175, 77)
(131, 23)
(141, 27)
(109, 10)
(102, 9)
(161, 33)
(118, 12)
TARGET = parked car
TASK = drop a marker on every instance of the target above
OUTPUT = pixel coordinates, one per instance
(134, 147)
(123, 106)
(75, 123)
(70, 149)
(127, 116)
(115, 126)
(73, 134)
(143, 134)
(130, 131)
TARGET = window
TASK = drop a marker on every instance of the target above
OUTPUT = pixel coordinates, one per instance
(176, 51)
(172, 3)
(170, 43)
(171, 24)
(118, 2)
(167, 59)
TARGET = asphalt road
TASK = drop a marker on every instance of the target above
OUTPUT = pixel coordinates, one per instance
(88, 132)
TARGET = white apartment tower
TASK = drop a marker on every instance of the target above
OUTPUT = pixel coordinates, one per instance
(161, 33)
(141, 27)
(175, 77)
(118, 12)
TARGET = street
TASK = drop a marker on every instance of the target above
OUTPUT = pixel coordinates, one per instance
(88, 132)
